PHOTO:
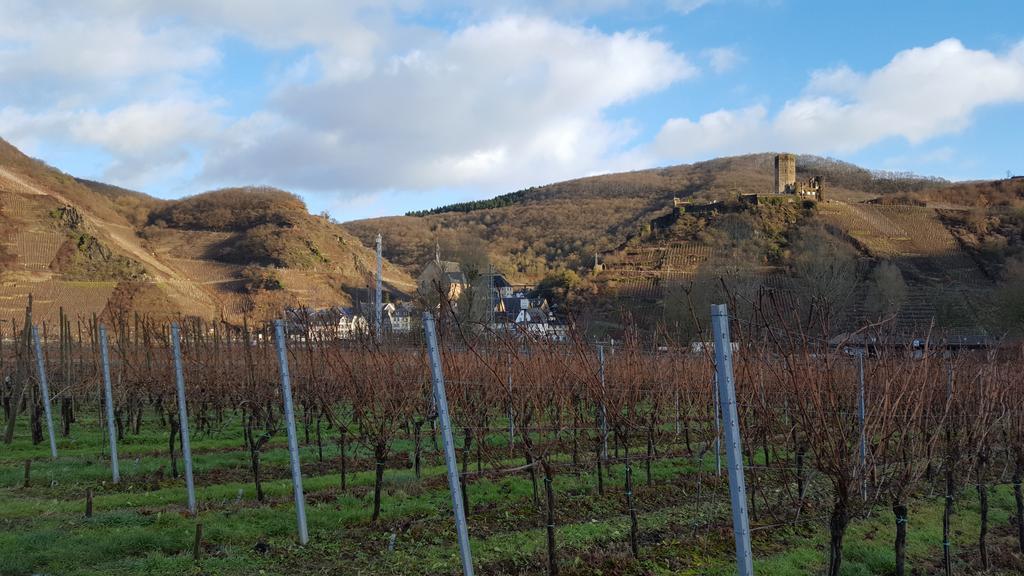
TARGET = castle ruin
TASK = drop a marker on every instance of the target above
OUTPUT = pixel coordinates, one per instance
(785, 174)
(785, 189)
(785, 179)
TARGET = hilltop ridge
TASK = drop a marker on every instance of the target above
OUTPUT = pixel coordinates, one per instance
(565, 224)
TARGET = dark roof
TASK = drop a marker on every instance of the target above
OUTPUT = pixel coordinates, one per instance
(498, 279)
(513, 304)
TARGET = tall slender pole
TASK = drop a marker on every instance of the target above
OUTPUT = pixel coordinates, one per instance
(861, 413)
(44, 390)
(602, 412)
(737, 483)
(293, 441)
(379, 292)
(718, 426)
(186, 446)
(441, 400)
(108, 395)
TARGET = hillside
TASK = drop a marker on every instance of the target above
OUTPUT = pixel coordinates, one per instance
(256, 247)
(91, 248)
(920, 248)
(564, 225)
(881, 245)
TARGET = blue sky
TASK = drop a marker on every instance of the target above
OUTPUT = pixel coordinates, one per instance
(376, 107)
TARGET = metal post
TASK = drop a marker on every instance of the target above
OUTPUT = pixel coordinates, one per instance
(511, 413)
(379, 292)
(186, 446)
(293, 441)
(109, 397)
(863, 434)
(44, 390)
(718, 427)
(441, 400)
(602, 412)
(947, 560)
(737, 484)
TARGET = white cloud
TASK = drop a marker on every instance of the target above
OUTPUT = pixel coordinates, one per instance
(146, 139)
(62, 52)
(96, 48)
(363, 101)
(511, 101)
(723, 58)
(686, 6)
(920, 94)
(716, 132)
(142, 128)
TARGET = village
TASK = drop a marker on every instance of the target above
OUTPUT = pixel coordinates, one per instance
(487, 302)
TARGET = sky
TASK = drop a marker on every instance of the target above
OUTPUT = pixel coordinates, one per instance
(373, 108)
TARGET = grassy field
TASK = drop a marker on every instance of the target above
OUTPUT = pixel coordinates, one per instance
(141, 525)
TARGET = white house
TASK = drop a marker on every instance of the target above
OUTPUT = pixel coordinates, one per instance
(325, 324)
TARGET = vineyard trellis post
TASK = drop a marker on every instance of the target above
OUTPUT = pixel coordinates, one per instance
(602, 412)
(293, 441)
(186, 447)
(947, 513)
(861, 413)
(441, 402)
(44, 390)
(737, 484)
(718, 426)
(108, 395)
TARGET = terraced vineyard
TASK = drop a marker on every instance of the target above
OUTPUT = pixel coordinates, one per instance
(78, 299)
(645, 273)
(207, 271)
(914, 238)
(32, 235)
(36, 249)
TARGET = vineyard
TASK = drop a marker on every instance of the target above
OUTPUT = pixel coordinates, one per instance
(51, 296)
(917, 242)
(35, 245)
(207, 271)
(575, 458)
(897, 231)
(642, 275)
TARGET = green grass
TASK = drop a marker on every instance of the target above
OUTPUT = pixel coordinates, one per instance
(140, 526)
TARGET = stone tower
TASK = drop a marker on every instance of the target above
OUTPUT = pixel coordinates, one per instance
(785, 174)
